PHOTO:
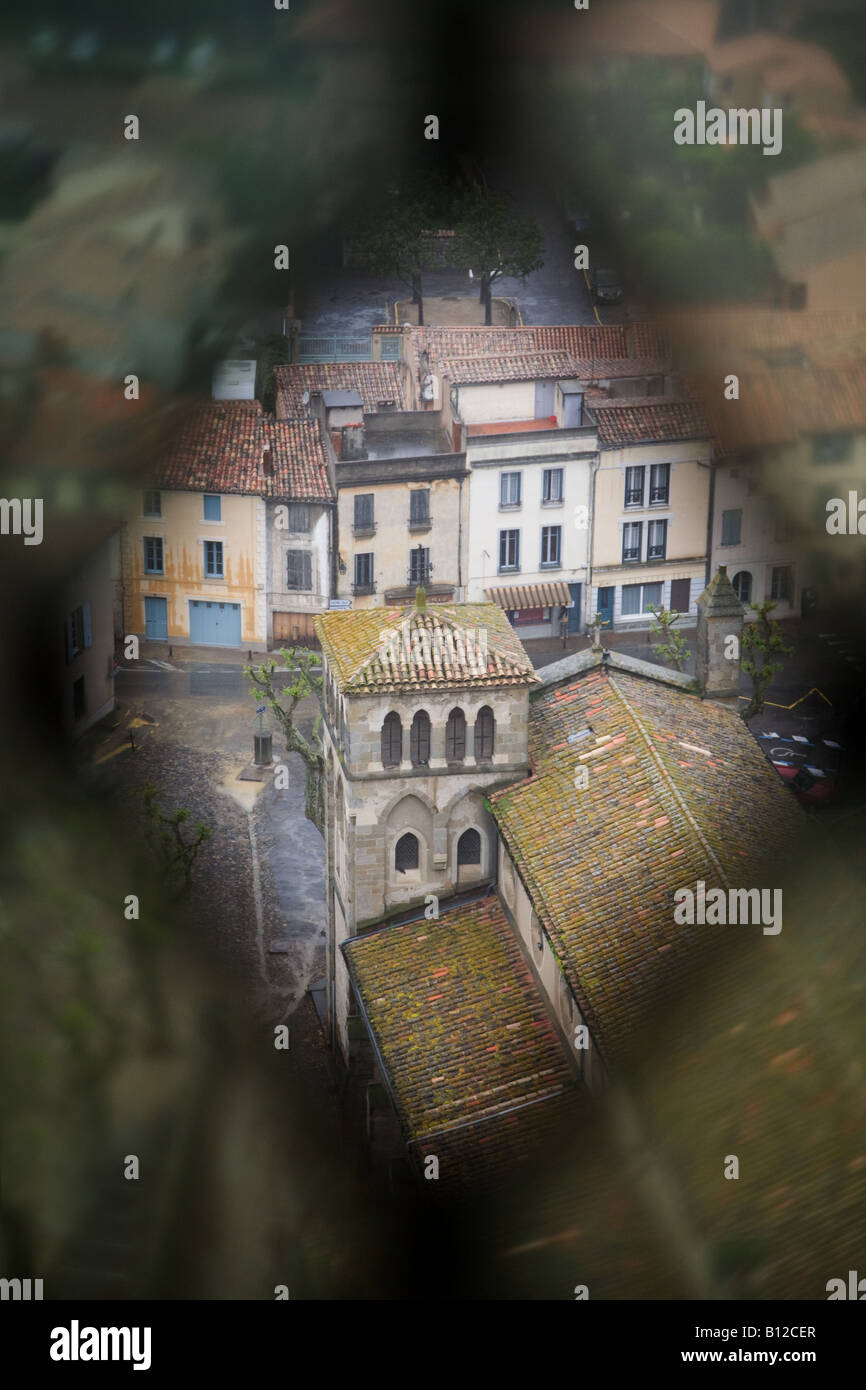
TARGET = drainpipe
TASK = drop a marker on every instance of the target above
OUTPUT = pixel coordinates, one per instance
(588, 615)
(460, 540)
(710, 519)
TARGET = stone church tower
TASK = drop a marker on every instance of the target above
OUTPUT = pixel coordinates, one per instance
(423, 712)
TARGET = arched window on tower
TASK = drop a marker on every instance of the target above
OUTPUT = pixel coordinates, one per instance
(406, 854)
(455, 737)
(742, 586)
(392, 740)
(484, 731)
(469, 848)
(419, 740)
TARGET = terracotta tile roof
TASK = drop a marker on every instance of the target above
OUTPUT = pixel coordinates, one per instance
(471, 342)
(598, 368)
(458, 1018)
(678, 792)
(299, 460)
(775, 407)
(759, 419)
(218, 448)
(381, 650)
(746, 1053)
(827, 400)
(644, 419)
(493, 1151)
(736, 338)
(374, 382)
(584, 342)
(524, 366)
(511, 596)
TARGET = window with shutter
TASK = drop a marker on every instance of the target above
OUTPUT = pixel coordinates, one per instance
(509, 489)
(551, 485)
(484, 732)
(731, 526)
(392, 741)
(509, 550)
(657, 540)
(419, 740)
(299, 570)
(631, 540)
(213, 559)
(455, 737)
(364, 512)
(419, 564)
(659, 483)
(634, 487)
(550, 545)
(419, 506)
(153, 555)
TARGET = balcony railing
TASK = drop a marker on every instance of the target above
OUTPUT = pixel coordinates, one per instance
(364, 528)
(368, 588)
(420, 576)
(420, 523)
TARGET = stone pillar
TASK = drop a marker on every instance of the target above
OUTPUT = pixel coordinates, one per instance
(720, 619)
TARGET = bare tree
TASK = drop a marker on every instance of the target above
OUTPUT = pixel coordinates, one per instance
(283, 701)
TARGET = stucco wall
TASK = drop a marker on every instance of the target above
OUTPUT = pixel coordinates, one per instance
(183, 529)
(487, 518)
(513, 400)
(392, 540)
(563, 1004)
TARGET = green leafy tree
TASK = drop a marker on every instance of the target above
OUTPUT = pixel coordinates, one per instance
(393, 237)
(492, 241)
(170, 839)
(763, 645)
(673, 647)
(283, 701)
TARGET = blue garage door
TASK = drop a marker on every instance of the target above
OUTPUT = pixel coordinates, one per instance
(156, 618)
(214, 624)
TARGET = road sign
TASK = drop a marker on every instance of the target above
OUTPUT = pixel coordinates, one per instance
(340, 603)
(260, 709)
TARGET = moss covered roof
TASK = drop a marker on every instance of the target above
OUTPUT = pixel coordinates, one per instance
(677, 791)
(449, 647)
(459, 1022)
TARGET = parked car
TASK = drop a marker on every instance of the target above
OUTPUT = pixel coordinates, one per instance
(606, 288)
(810, 765)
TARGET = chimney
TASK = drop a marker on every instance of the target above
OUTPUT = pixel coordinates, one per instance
(720, 618)
(267, 460)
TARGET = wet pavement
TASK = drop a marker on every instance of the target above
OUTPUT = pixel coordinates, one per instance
(348, 301)
(259, 885)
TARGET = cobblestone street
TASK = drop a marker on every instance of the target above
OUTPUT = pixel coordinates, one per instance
(258, 884)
